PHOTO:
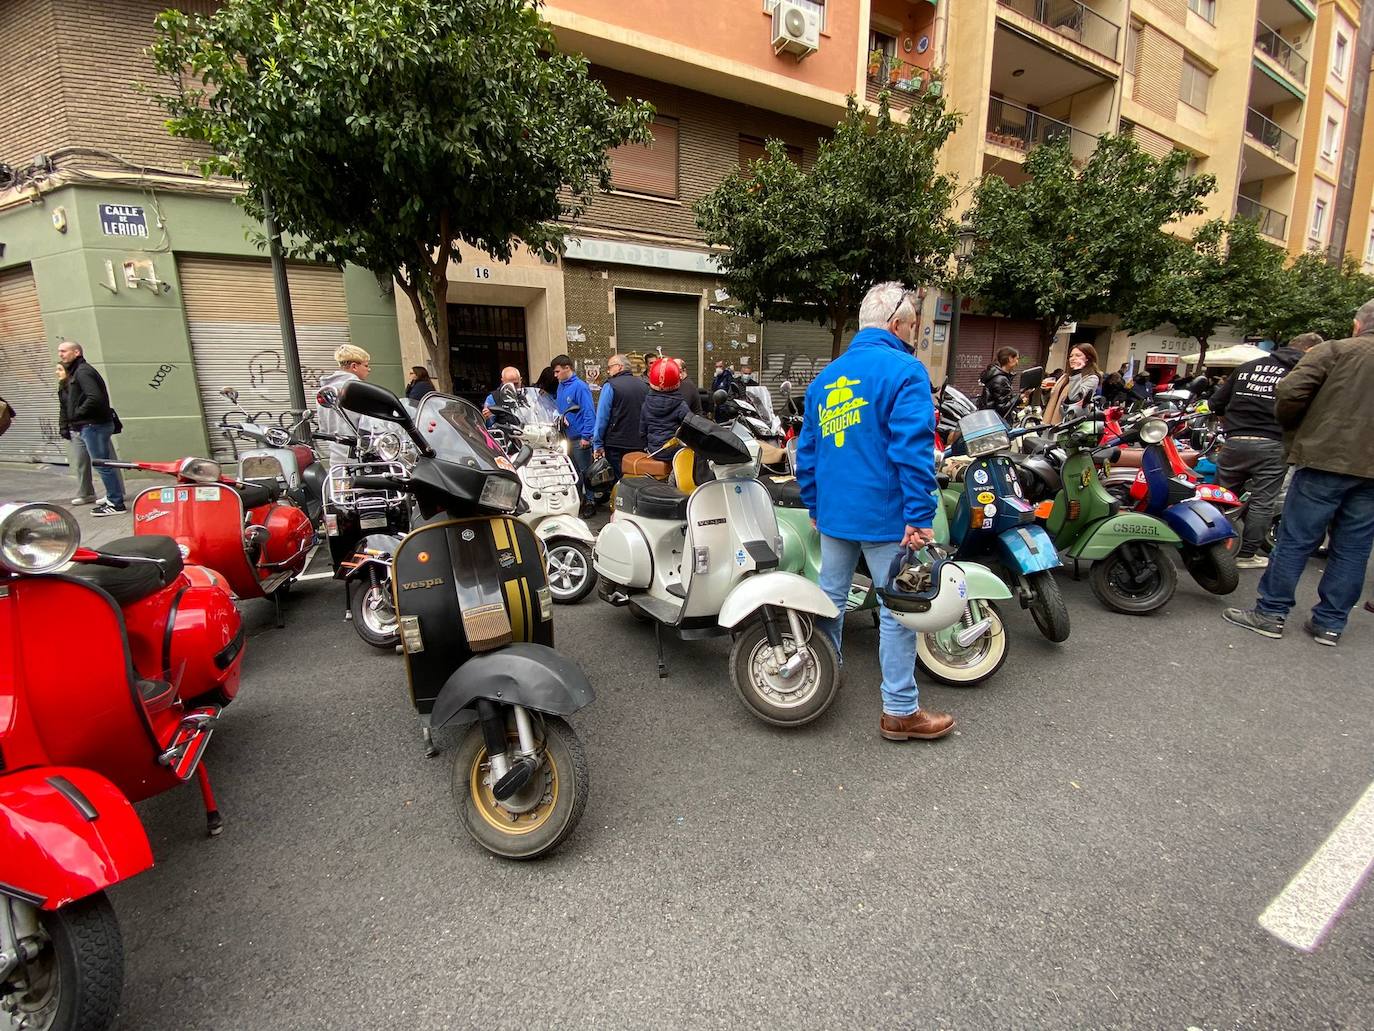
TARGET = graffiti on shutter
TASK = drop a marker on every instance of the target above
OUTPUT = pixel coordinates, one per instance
(793, 352)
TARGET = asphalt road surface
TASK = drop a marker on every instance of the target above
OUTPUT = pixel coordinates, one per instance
(1093, 848)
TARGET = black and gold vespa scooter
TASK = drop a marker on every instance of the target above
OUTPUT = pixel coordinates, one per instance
(476, 624)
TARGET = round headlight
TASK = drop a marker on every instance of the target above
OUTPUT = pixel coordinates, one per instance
(37, 538)
(200, 470)
(1152, 431)
(387, 446)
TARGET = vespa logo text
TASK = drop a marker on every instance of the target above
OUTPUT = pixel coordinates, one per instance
(711, 522)
(841, 410)
(416, 585)
(148, 517)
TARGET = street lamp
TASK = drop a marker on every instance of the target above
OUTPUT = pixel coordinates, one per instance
(963, 250)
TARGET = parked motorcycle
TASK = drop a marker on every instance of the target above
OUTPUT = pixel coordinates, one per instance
(284, 457)
(702, 560)
(550, 487)
(476, 623)
(238, 528)
(161, 649)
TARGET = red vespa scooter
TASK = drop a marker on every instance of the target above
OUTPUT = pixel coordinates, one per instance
(238, 528)
(161, 650)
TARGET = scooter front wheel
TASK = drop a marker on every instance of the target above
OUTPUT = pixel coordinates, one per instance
(1213, 566)
(571, 576)
(77, 976)
(782, 700)
(374, 615)
(539, 816)
(1137, 578)
(1047, 608)
(964, 667)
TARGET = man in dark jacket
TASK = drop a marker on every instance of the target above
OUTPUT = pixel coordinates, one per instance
(618, 431)
(688, 388)
(90, 416)
(1252, 457)
(998, 393)
(1324, 405)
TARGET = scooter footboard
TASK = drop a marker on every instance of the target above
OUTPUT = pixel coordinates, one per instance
(783, 590)
(1198, 523)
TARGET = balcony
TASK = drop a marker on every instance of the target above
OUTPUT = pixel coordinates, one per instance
(1266, 134)
(1271, 223)
(905, 83)
(1072, 20)
(1283, 53)
(1019, 128)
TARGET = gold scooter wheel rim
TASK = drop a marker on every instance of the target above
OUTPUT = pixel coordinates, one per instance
(500, 817)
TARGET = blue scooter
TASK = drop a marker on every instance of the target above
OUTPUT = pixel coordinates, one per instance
(991, 520)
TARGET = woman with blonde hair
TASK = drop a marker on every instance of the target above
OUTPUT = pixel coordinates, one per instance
(1074, 390)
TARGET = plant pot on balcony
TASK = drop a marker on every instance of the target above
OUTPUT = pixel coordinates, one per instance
(935, 87)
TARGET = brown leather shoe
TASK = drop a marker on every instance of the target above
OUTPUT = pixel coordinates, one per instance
(1369, 605)
(923, 725)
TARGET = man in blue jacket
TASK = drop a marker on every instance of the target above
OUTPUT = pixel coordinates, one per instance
(866, 468)
(574, 392)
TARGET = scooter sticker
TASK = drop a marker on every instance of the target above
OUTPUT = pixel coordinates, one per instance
(182, 495)
(739, 557)
(167, 495)
(207, 493)
(986, 497)
(980, 476)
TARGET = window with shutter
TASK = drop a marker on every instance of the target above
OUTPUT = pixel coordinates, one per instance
(648, 168)
(751, 149)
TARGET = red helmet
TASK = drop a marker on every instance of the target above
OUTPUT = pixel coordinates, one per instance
(664, 374)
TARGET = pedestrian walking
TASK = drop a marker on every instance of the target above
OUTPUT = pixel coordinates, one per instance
(1324, 404)
(78, 459)
(1072, 393)
(866, 469)
(573, 393)
(618, 431)
(998, 394)
(1252, 457)
(90, 416)
(420, 384)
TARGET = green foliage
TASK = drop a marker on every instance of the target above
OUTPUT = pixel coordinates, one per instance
(1226, 275)
(1070, 242)
(806, 243)
(1313, 296)
(386, 132)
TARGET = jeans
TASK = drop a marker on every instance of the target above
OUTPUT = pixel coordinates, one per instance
(1318, 501)
(1257, 463)
(615, 456)
(582, 458)
(99, 442)
(80, 465)
(896, 644)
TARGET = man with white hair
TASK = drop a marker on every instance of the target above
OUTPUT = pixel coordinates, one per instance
(866, 468)
(1324, 405)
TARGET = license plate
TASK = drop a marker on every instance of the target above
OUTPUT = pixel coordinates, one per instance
(373, 522)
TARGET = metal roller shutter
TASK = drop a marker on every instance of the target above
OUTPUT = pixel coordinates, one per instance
(793, 351)
(29, 382)
(649, 321)
(1024, 335)
(977, 344)
(231, 313)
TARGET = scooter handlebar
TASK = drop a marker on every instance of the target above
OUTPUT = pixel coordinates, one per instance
(379, 483)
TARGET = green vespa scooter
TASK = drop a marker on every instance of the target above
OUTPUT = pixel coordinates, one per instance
(967, 653)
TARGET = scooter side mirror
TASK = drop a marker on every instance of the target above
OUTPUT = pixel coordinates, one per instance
(362, 398)
(328, 397)
(231, 394)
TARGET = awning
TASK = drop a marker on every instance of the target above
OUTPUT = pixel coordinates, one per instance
(1236, 354)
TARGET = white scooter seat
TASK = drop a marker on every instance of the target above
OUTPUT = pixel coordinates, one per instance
(650, 499)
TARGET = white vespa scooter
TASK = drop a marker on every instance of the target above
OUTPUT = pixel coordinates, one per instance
(551, 488)
(704, 562)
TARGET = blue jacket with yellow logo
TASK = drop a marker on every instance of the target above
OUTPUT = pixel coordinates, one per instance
(866, 457)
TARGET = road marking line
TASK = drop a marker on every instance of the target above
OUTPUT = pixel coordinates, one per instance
(1307, 908)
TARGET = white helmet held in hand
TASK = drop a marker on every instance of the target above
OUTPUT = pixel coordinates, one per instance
(926, 591)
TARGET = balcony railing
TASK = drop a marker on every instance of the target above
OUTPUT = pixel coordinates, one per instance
(905, 83)
(1270, 136)
(1282, 51)
(1011, 125)
(1270, 222)
(1072, 20)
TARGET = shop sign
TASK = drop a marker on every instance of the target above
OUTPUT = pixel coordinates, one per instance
(123, 220)
(616, 253)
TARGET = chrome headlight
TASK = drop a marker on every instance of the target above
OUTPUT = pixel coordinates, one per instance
(36, 538)
(1152, 431)
(500, 493)
(200, 470)
(387, 446)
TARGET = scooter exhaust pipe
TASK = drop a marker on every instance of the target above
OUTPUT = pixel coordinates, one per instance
(969, 634)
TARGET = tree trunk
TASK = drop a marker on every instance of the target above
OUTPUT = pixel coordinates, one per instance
(1202, 352)
(443, 357)
(1048, 331)
(839, 318)
(417, 304)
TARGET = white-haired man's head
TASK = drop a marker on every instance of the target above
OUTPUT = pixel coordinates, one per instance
(890, 306)
(1364, 318)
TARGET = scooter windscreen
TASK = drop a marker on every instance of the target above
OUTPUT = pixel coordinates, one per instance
(532, 406)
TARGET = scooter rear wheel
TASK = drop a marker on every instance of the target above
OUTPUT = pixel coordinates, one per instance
(773, 698)
(1137, 578)
(76, 979)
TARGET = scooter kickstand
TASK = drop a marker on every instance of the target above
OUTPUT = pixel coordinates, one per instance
(428, 735)
(658, 642)
(214, 823)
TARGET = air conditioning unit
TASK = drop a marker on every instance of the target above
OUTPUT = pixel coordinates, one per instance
(796, 29)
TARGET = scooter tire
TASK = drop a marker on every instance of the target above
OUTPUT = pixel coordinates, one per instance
(1213, 566)
(1157, 590)
(823, 668)
(374, 636)
(571, 556)
(567, 784)
(86, 952)
(1050, 614)
(987, 655)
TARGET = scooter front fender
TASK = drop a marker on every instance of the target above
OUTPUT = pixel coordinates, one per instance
(564, 526)
(532, 675)
(66, 833)
(1114, 531)
(982, 582)
(783, 590)
(1198, 523)
(1027, 549)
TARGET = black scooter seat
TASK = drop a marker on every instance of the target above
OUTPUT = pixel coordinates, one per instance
(786, 493)
(136, 581)
(259, 492)
(650, 499)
